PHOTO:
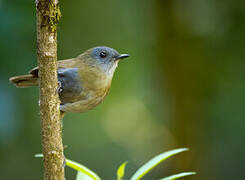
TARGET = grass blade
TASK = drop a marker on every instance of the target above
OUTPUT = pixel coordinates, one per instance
(78, 167)
(177, 176)
(154, 162)
(82, 176)
(82, 169)
(120, 171)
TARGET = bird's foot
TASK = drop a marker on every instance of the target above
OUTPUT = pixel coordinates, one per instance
(59, 89)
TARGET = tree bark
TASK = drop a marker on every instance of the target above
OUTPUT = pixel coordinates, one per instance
(48, 15)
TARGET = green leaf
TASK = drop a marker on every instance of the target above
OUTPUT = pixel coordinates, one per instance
(120, 171)
(79, 167)
(82, 176)
(82, 169)
(154, 162)
(177, 176)
(38, 155)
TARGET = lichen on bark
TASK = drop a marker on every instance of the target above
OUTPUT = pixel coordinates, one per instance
(51, 13)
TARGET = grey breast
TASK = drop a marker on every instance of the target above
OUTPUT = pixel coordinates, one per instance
(70, 87)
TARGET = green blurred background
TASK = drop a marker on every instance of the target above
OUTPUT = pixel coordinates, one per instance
(183, 86)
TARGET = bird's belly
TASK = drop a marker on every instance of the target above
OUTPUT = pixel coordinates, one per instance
(85, 104)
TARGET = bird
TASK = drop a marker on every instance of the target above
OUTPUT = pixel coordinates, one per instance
(83, 81)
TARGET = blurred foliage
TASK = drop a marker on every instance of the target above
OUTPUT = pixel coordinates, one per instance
(182, 86)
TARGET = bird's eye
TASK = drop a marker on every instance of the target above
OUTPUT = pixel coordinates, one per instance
(103, 54)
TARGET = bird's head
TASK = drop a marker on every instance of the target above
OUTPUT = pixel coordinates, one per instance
(103, 57)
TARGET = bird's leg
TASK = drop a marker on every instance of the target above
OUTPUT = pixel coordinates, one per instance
(59, 89)
(62, 114)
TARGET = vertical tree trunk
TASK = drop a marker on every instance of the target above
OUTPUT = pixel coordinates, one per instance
(48, 15)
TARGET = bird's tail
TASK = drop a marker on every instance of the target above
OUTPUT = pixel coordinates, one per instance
(24, 80)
